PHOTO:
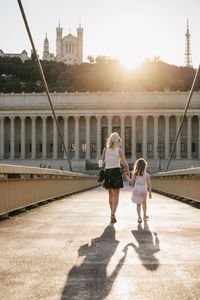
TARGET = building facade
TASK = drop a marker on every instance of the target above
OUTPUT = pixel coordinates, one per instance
(69, 49)
(23, 56)
(147, 123)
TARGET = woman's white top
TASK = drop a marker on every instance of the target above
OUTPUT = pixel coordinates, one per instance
(112, 158)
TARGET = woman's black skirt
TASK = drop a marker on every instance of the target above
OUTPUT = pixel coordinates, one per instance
(113, 179)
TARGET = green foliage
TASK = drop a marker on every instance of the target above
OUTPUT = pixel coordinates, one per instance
(104, 75)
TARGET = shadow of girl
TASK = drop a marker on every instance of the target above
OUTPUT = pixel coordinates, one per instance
(147, 248)
(90, 279)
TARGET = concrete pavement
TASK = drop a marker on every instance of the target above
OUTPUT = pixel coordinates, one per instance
(66, 249)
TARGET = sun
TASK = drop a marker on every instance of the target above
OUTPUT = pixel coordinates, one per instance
(129, 63)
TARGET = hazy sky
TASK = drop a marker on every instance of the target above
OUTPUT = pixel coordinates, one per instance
(130, 30)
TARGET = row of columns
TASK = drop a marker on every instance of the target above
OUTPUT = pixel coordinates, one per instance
(122, 118)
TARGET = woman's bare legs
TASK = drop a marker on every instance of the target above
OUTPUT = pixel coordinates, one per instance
(115, 201)
(110, 191)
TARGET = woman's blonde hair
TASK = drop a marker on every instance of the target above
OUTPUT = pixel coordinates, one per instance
(113, 140)
(140, 166)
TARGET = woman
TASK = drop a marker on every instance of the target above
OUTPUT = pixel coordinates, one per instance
(112, 155)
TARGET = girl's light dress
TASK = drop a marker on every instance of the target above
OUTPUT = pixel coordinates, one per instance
(139, 192)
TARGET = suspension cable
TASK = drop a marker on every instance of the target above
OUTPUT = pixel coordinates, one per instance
(184, 114)
(44, 81)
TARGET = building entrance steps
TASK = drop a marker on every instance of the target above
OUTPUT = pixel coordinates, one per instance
(66, 249)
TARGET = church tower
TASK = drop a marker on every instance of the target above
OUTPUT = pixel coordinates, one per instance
(46, 48)
(80, 44)
(188, 57)
(59, 43)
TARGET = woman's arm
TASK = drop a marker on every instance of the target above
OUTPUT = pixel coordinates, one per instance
(131, 180)
(124, 162)
(103, 156)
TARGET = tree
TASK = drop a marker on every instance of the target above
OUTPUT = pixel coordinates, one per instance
(91, 59)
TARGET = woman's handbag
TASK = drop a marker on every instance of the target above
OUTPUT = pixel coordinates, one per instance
(102, 172)
(102, 175)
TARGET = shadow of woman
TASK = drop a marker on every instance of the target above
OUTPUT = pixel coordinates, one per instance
(90, 279)
(147, 248)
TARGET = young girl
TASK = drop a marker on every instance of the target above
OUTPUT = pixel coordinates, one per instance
(141, 186)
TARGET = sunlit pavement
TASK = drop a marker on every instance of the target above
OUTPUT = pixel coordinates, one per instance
(66, 249)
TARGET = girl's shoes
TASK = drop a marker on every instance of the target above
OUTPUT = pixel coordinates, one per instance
(139, 220)
(113, 219)
(146, 218)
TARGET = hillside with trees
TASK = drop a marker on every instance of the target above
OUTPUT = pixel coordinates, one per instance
(101, 74)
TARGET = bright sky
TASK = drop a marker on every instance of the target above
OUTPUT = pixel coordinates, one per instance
(130, 30)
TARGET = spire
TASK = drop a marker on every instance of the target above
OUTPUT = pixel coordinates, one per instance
(46, 39)
(80, 23)
(188, 57)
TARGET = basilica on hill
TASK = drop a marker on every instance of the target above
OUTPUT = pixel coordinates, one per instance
(69, 48)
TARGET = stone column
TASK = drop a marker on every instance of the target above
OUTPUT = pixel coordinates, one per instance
(178, 144)
(33, 156)
(77, 137)
(22, 137)
(199, 136)
(144, 140)
(133, 144)
(155, 137)
(55, 140)
(167, 141)
(66, 133)
(122, 118)
(44, 137)
(2, 138)
(12, 137)
(87, 137)
(109, 125)
(189, 137)
(98, 137)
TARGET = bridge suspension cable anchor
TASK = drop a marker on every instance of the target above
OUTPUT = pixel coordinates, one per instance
(44, 80)
(184, 114)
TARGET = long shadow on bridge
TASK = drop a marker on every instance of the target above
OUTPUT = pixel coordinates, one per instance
(146, 246)
(90, 280)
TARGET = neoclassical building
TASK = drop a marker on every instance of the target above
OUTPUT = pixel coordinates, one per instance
(69, 48)
(146, 121)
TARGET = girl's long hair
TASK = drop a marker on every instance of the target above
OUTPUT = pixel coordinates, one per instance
(113, 140)
(140, 166)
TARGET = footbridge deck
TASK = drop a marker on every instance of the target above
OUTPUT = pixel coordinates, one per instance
(66, 249)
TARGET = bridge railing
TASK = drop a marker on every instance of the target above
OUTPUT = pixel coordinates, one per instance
(21, 187)
(183, 183)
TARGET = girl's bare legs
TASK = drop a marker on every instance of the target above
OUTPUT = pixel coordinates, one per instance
(139, 211)
(110, 191)
(115, 201)
(144, 208)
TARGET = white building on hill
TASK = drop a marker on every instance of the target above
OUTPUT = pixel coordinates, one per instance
(69, 48)
(23, 56)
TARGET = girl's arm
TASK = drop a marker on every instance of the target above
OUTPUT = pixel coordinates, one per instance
(149, 185)
(124, 162)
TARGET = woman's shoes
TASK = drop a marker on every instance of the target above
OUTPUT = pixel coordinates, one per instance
(113, 219)
(139, 220)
